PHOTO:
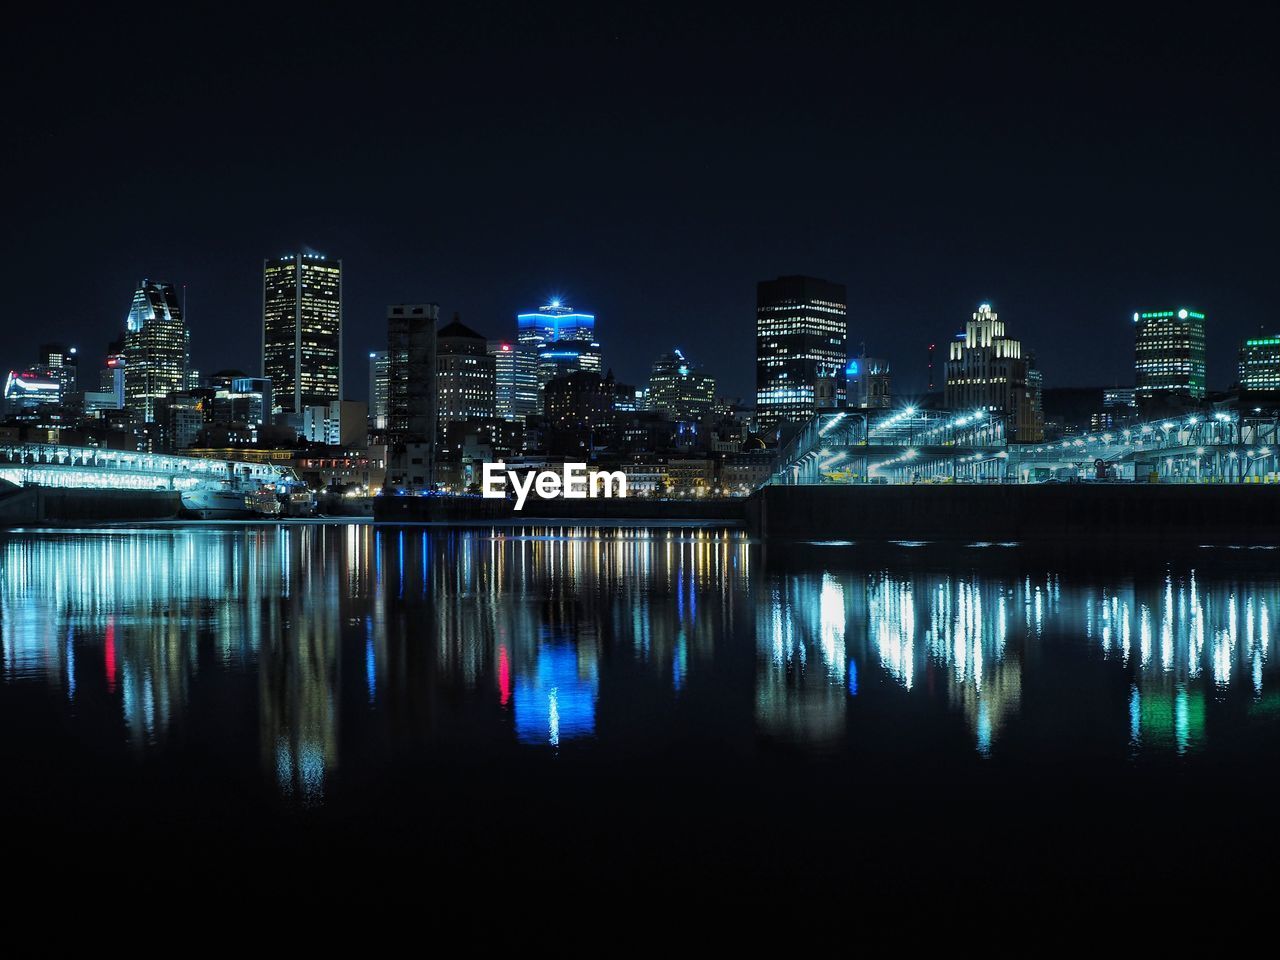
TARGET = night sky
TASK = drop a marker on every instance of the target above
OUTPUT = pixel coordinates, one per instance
(650, 168)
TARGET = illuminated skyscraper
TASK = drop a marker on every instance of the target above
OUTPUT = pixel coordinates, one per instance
(678, 389)
(554, 323)
(1260, 364)
(987, 371)
(379, 379)
(302, 330)
(801, 331)
(1169, 353)
(156, 347)
(504, 373)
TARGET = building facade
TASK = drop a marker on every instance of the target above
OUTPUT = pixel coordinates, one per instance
(1260, 364)
(156, 348)
(379, 378)
(554, 323)
(580, 412)
(868, 383)
(678, 389)
(1169, 354)
(504, 378)
(465, 375)
(987, 370)
(302, 330)
(411, 394)
(801, 336)
(62, 362)
(559, 358)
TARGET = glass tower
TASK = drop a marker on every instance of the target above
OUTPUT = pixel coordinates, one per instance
(504, 361)
(379, 378)
(801, 333)
(1169, 353)
(555, 323)
(302, 330)
(156, 347)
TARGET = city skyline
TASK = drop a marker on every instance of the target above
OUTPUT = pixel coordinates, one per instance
(1223, 356)
(936, 187)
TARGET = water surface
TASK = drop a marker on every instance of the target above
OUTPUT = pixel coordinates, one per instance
(682, 706)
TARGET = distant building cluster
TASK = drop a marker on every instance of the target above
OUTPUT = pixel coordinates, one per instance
(446, 397)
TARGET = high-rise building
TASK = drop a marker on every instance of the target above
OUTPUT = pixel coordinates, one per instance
(156, 348)
(504, 374)
(411, 394)
(1169, 353)
(302, 330)
(801, 332)
(379, 379)
(465, 375)
(987, 371)
(679, 389)
(554, 323)
(1260, 364)
(62, 362)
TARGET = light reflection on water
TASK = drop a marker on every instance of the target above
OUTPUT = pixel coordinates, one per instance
(350, 637)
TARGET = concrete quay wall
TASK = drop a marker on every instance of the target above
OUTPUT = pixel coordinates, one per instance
(1246, 514)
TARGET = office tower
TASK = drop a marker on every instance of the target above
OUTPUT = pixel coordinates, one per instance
(554, 323)
(156, 347)
(678, 389)
(1260, 364)
(63, 364)
(559, 358)
(1169, 354)
(302, 330)
(932, 350)
(504, 374)
(987, 371)
(465, 375)
(868, 383)
(411, 394)
(800, 339)
(379, 378)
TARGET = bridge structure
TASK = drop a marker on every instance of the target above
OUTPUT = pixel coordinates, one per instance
(1219, 448)
(69, 467)
(911, 446)
(888, 446)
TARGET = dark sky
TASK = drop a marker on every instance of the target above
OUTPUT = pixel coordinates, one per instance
(649, 167)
